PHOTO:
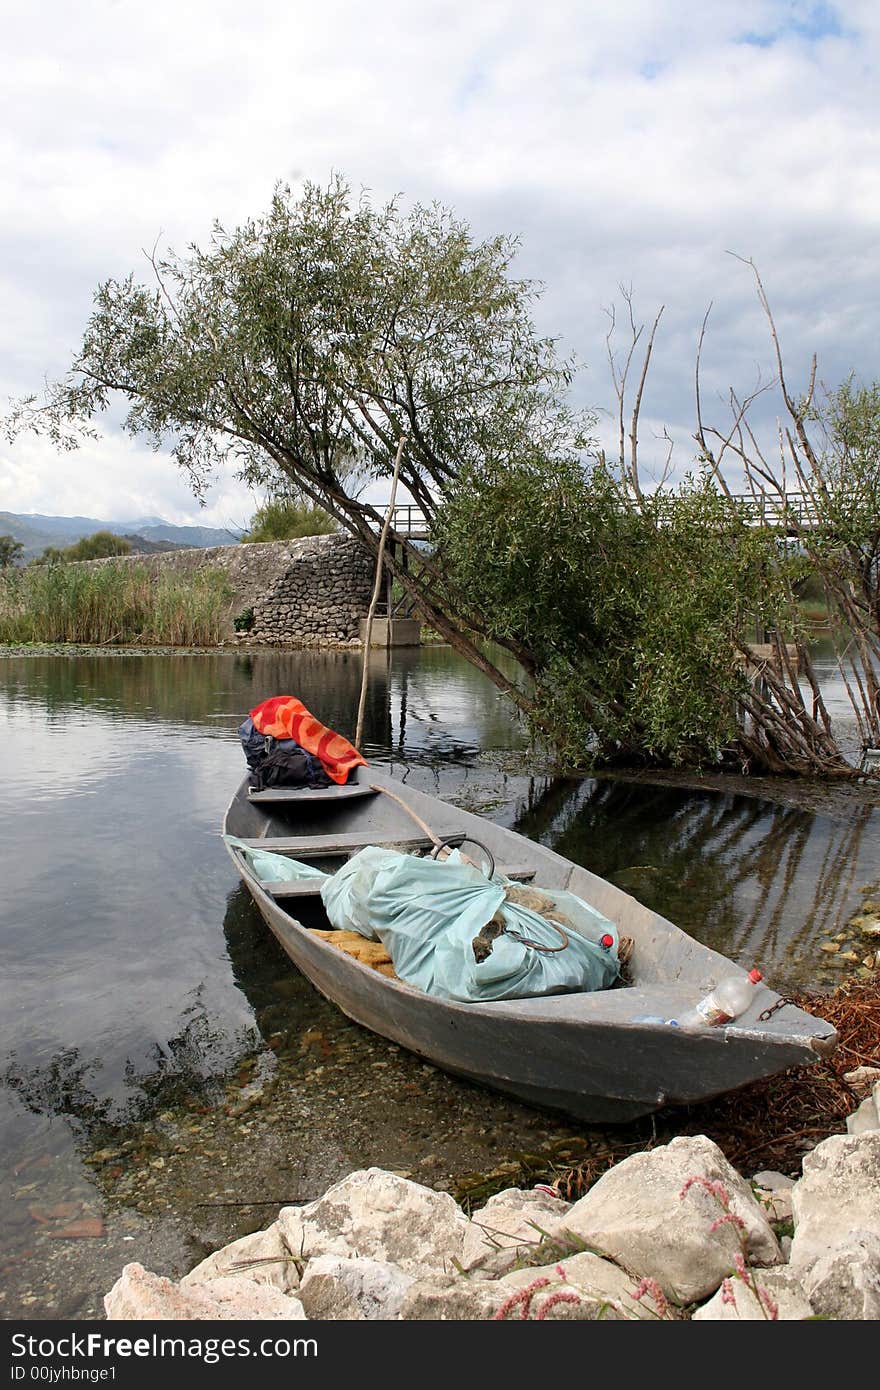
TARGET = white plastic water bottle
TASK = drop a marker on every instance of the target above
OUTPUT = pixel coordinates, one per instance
(730, 998)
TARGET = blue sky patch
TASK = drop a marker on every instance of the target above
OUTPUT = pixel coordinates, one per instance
(812, 23)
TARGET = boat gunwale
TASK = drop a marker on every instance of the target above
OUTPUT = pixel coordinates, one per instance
(554, 1007)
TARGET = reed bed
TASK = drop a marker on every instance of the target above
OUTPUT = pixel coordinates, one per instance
(113, 604)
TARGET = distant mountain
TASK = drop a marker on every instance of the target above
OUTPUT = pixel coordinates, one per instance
(36, 532)
(139, 546)
(194, 536)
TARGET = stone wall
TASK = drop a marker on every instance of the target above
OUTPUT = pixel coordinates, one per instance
(312, 592)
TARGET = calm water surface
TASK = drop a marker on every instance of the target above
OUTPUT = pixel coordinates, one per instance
(134, 965)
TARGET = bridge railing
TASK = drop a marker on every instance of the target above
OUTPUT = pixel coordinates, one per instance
(786, 510)
(409, 520)
(790, 509)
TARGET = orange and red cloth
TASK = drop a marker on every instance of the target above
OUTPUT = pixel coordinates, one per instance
(286, 717)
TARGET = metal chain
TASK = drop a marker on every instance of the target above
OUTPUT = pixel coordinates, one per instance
(767, 1013)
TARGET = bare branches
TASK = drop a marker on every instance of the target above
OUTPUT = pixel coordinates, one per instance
(619, 377)
(634, 425)
(809, 499)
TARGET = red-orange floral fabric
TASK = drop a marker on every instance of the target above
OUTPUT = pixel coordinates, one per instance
(283, 716)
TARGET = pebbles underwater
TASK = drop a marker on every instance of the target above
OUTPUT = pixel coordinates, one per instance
(857, 948)
(215, 1161)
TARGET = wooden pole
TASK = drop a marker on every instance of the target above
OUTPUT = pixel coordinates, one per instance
(423, 825)
(376, 587)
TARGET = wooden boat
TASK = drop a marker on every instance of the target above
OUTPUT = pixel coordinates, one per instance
(605, 1056)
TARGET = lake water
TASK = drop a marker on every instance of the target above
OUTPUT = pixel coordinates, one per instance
(136, 974)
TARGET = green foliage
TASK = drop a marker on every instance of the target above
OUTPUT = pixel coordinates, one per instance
(112, 604)
(849, 419)
(282, 519)
(244, 621)
(845, 483)
(307, 341)
(52, 555)
(101, 545)
(634, 616)
(10, 549)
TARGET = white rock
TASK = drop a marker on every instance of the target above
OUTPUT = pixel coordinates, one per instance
(513, 1221)
(140, 1295)
(452, 1298)
(377, 1215)
(845, 1283)
(262, 1256)
(867, 1116)
(378, 1246)
(773, 1191)
(771, 1181)
(780, 1285)
(636, 1214)
(776, 1204)
(597, 1279)
(448, 1298)
(862, 1079)
(839, 1192)
(335, 1288)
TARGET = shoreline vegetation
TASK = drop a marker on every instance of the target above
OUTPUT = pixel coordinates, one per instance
(112, 605)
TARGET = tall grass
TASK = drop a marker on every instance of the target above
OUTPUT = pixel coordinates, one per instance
(113, 604)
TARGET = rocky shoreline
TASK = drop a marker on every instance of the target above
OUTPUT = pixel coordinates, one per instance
(672, 1233)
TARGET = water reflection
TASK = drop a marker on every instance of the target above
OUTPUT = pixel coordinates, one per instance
(418, 698)
(761, 883)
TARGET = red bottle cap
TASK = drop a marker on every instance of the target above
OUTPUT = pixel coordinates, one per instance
(606, 941)
(755, 976)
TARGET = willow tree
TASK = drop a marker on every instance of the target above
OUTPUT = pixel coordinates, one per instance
(316, 348)
(302, 346)
(661, 624)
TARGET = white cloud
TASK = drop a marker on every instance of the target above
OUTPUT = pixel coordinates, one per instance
(637, 143)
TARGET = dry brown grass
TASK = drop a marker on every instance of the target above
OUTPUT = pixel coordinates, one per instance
(772, 1123)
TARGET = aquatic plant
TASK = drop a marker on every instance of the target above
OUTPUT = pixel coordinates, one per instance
(112, 603)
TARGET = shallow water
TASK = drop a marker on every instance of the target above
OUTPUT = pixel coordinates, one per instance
(152, 1031)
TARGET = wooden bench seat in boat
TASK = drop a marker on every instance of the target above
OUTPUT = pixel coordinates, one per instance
(334, 846)
(312, 794)
(311, 887)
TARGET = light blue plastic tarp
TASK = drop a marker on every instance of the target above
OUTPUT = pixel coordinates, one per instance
(428, 911)
(273, 868)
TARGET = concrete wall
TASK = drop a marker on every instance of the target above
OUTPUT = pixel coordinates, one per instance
(312, 592)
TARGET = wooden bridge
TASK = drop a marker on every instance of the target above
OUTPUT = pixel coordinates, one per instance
(790, 513)
(409, 521)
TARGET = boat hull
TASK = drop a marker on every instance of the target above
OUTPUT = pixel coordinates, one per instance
(601, 1057)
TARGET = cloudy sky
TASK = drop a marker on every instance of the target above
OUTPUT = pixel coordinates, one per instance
(635, 143)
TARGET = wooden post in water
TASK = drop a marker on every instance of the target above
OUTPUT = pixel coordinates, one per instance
(376, 587)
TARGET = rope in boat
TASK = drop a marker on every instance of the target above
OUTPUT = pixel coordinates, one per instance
(440, 846)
